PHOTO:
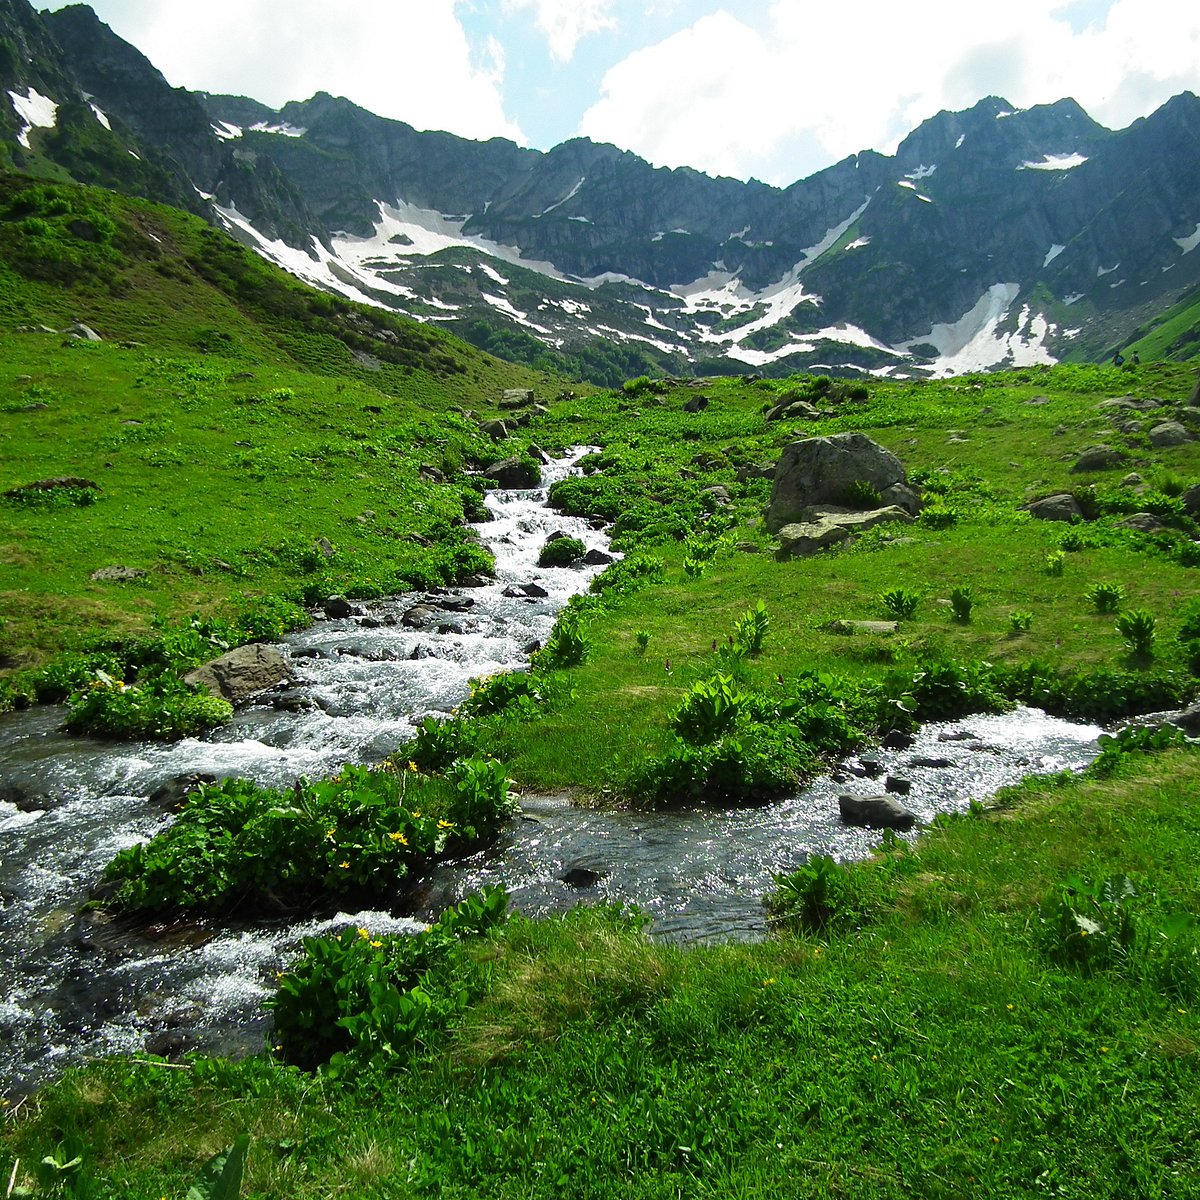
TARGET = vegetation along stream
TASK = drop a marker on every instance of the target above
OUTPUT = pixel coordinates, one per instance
(75, 987)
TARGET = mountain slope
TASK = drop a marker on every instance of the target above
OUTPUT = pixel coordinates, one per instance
(993, 236)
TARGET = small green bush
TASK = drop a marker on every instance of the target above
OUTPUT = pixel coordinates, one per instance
(1055, 562)
(962, 604)
(561, 552)
(1020, 620)
(162, 710)
(1105, 597)
(900, 603)
(820, 894)
(750, 629)
(1137, 629)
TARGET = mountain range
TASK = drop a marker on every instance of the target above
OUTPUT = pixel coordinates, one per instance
(992, 237)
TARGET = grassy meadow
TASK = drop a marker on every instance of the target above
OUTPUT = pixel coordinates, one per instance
(1006, 1008)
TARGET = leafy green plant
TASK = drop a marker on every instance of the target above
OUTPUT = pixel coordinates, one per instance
(641, 640)
(221, 1177)
(1020, 620)
(1105, 597)
(1055, 562)
(162, 710)
(859, 494)
(359, 833)
(497, 693)
(900, 603)
(357, 999)
(1134, 741)
(709, 709)
(750, 629)
(568, 644)
(962, 603)
(1137, 629)
(815, 896)
(1088, 923)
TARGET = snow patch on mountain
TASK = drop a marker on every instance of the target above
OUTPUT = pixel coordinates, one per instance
(975, 341)
(285, 130)
(858, 243)
(227, 132)
(922, 172)
(569, 196)
(1189, 243)
(1102, 271)
(35, 110)
(1055, 162)
(1052, 254)
(502, 304)
(101, 116)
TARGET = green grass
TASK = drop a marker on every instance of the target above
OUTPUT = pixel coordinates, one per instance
(933, 1049)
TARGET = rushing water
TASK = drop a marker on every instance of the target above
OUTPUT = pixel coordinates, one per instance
(71, 988)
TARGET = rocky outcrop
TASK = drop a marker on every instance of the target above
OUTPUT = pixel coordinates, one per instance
(830, 527)
(242, 673)
(827, 470)
(1169, 433)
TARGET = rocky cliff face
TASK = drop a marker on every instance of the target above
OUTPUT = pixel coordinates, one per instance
(991, 237)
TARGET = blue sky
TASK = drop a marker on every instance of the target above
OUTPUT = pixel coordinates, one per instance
(774, 89)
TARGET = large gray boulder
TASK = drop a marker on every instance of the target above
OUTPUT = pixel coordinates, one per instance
(875, 812)
(243, 672)
(823, 471)
(1191, 500)
(1060, 507)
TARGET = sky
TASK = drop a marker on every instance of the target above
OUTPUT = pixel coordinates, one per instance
(766, 89)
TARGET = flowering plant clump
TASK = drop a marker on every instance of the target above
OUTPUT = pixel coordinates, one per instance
(363, 832)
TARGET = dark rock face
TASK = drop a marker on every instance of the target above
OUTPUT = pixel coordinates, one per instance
(824, 470)
(243, 672)
(513, 473)
(1100, 458)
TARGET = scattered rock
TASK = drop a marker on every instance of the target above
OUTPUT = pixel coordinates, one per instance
(516, 398)
(58, 481)
(455, 604)
(324, 547)
(695, 404)
(897, 739)
(172, 794)
(25, 799)
(597, 558)
(1099, 458)
(853, 627)
(336, 609)
(1060, 507)
(79, 332)
(1191, 500)
(875, 812)
(1189, 719)
(872, 767)
(117, 574)
(431, 474)
(1132, 480)
(958, 735)
(1143, 522)
(719, 494)
(581, 877)
(420, 616)
(897, 786)
(806, 538)
(243, 672)
(517, 591)
(496, 430)
(1169, 433)
(536, 452)
(930, 763)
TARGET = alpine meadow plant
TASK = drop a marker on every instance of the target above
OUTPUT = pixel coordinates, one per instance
(962, 604)
(900, 603)
(750, 629)
(1020, 621)
(1054, 563)
(1137, 629)
(1105, 597)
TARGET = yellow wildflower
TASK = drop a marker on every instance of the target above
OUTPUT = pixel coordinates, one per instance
(445, 824)
(376, 945)
(344, 865)
(416, 812)
(412, 766)
(399, 837)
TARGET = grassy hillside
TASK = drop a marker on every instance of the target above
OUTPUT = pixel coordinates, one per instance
(230, 420)
(1175, 334)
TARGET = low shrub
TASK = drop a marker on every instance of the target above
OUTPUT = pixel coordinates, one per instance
(962, 604)
(499, 693)
(561, 552)
(820, 894)
(1137, 628)
(900, 603)
(1105, 597)
(568, 644)
(163, 710)
(1020, 620)
(750, 629)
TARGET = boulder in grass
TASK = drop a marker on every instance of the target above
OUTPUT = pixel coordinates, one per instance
(514, 473)
(1169, 433)
(825, 470)
(875, 812)
(1099, 458)
(1060, 507)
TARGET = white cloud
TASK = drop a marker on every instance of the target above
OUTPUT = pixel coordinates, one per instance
(399, 58)
(802, 83)
(566, 23)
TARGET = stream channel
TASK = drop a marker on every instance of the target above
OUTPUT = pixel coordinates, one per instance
(72, 989)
